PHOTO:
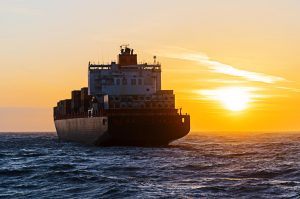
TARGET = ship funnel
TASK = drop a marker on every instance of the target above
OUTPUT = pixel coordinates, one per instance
(127, 56)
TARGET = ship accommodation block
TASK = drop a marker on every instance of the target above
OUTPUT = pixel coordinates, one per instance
(131, 86)
(128, 84)
(113, 79)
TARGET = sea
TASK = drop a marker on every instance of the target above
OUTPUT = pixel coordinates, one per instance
(201, 165)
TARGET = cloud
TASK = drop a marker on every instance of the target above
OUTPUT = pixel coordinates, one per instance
(218, 67)
(289, 89)
(225, 81)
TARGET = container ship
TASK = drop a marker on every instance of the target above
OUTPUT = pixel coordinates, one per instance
(122, 105)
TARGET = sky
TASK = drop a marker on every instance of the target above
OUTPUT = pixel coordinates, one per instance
(234, 65)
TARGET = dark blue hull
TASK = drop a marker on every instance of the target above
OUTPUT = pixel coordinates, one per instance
(133, 130)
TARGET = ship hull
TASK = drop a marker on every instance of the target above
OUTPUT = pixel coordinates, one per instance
(81, 130)
(137, 130)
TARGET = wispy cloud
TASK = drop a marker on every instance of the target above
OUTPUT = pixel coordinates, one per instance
(225, 81)
(289, 89)
(218, 67)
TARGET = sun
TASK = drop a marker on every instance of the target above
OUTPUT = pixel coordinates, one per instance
(231, 98)
(234, 99)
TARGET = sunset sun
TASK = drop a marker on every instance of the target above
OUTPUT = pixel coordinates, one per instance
(231, 98)
(234, 99)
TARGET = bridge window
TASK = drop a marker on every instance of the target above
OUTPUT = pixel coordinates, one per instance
(124, 81)
(118, 82)
(133, 81)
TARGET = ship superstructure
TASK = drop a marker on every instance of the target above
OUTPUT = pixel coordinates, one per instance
(123, 105)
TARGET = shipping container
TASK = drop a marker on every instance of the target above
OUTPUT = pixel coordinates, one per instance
(76, 101)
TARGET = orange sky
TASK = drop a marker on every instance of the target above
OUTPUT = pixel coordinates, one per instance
(204, 47)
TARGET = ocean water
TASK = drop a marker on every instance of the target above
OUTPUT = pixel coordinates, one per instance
(38, 165)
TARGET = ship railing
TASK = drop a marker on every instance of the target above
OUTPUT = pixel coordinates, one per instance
(121, 112)
(142, 112)
(99, 67)
(145, 66)
(150, 67)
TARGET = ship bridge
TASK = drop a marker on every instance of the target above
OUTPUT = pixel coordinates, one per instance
(126, 77)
